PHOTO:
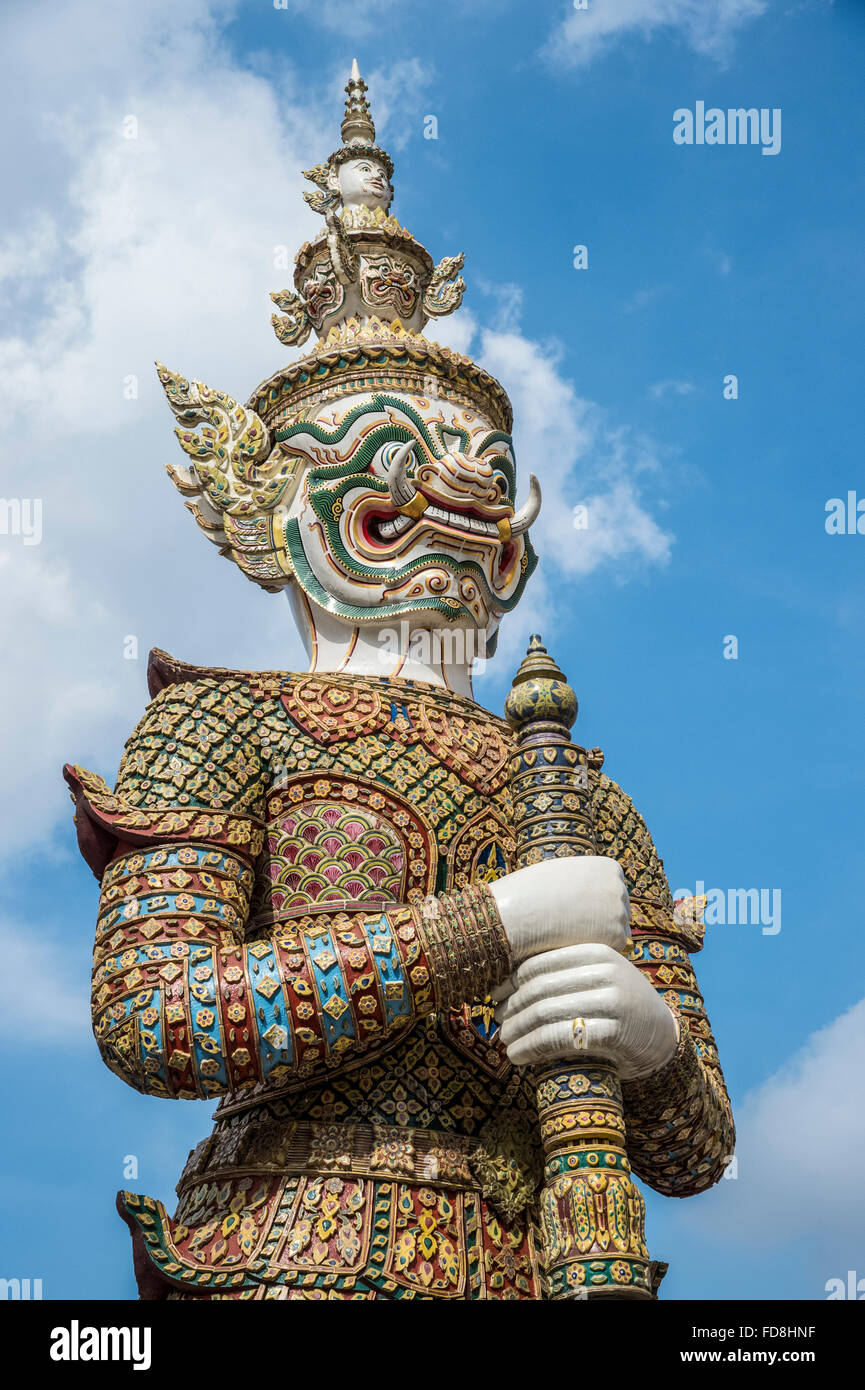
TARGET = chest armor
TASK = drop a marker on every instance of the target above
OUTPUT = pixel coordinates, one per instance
(378, 798)
(378, 793)
(383, 792)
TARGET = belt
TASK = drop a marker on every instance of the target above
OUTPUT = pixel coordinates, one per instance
(259, 1146)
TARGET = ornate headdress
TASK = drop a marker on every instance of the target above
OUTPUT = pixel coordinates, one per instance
(358, 133)
(367, 288)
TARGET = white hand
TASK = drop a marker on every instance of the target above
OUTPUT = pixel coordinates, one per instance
(564, 902)
(623, 1017)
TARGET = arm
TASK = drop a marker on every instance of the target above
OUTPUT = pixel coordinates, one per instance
(184, 1008)
(680, 1126)
(182, 1005)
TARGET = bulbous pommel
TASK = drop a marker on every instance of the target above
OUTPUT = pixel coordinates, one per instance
(540, 693)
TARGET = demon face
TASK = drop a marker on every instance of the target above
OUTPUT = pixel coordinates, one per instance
(406, 506)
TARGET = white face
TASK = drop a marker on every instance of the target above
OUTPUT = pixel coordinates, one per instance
(447, 563)
(364, 182)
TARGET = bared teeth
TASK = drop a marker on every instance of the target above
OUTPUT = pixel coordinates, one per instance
(462, 521)
(389, 530)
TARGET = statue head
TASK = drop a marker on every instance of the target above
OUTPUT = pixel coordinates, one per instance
(359, 174)
(376, 505)
(361, 181)
(406, 508)
(376, 477)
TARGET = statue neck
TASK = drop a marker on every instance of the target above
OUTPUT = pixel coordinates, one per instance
(441, 656)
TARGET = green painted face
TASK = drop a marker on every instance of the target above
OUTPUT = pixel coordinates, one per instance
(376, 530)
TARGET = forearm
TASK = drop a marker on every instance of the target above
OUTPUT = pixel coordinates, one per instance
(168, 916)
(183, 1007)
(680, 1126)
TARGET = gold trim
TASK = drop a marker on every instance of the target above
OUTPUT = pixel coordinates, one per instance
(416, 507)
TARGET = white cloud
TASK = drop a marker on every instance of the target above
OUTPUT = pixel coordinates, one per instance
(671, 387)
(578, 454)
(345, 17)
(46, 989)
(801, 1141)
(508, 300)
(159, 246)
(709, 26)
(22, 255)
(580, 459)
(399, 96)
(458, 331)
(54, 699)
(643, 298)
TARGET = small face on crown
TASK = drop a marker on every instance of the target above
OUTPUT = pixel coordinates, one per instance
(364, 182)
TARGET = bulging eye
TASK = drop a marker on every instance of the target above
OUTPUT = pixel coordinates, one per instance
(384, 459)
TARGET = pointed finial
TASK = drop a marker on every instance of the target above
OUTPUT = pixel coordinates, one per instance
(540, 692)
(538, 664)
(357, 125)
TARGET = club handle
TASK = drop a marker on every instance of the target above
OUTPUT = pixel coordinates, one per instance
(592, 1214)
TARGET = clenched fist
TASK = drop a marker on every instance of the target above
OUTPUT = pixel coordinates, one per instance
(567, 921)
(586, 999)
(564, 902)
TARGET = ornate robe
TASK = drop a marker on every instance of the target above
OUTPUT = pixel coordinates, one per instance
(265, 861)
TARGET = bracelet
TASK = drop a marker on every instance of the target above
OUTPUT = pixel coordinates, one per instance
(468, 950)
(495, 940)
(429, 928)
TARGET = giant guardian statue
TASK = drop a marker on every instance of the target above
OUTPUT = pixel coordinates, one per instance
(425, 957)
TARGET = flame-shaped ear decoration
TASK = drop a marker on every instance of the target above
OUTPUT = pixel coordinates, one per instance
(235, 480)
(446, 288)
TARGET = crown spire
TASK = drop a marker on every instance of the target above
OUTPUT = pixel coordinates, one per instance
(357, 123)
(364, 268)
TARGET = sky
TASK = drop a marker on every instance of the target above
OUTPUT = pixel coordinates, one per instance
(710, 624)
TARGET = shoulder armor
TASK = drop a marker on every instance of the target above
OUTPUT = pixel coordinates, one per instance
(198, 744)
(164, 670)
(623, 835)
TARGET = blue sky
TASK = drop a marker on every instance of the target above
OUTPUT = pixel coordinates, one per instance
(706, 515)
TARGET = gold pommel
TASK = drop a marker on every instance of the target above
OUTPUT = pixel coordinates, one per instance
(540, 691)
